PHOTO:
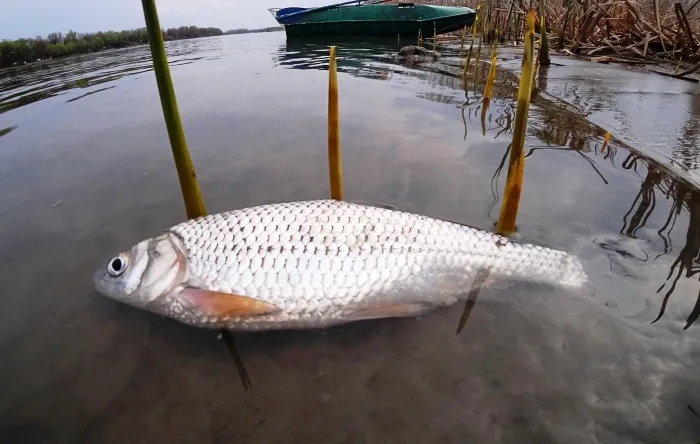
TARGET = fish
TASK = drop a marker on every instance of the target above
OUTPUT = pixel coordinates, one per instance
(316, 264)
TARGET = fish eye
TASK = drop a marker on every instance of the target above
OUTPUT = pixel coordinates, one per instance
(117, 265)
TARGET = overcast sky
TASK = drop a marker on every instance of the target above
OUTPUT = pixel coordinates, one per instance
(28, 18)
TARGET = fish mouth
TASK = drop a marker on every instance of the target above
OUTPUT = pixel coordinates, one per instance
(97, 277)
(98, 280)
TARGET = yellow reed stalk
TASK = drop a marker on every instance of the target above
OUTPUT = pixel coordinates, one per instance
(492, 71)
(605, 142)
(471, 45)
(194, 205)
(466, 64)
(478, 55)
(514, 180)
(335, 171)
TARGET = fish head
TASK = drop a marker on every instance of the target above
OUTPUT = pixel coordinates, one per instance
(152, 269)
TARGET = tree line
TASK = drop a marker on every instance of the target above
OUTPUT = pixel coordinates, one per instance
(57, 44)
(246, 30)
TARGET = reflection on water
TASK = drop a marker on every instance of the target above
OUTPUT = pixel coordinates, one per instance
(652, 113)
(7, 130)
(91, 173)
(26, 84)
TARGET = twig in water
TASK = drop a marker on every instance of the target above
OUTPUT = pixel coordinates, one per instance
(231, 344)
(478, 283)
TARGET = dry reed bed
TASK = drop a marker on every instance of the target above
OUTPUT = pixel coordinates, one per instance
(631, 31)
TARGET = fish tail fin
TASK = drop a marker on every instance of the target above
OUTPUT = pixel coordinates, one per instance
(543, 265)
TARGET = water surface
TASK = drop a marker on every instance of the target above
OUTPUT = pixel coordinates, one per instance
(86, 170)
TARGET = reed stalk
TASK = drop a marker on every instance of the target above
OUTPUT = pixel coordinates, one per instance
(537, 65)
(562, 33)
(192, 197)
(434, 36)
(605, 142)
(471, 45)
(478, 55)
(514, 180)
(478, 51)
(194, 205)
(492, 70)
(506, 34)
(335, 172)
(544, 45)
(461, 45)
(486, 24)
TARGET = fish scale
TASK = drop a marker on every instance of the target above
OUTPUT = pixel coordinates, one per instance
(322, 262)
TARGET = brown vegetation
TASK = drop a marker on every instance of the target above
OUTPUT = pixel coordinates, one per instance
(633, 31)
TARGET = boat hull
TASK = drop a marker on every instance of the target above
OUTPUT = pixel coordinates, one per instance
(378, 20)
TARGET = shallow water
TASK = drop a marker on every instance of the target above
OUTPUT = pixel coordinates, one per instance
(650, 112)
(86, 170)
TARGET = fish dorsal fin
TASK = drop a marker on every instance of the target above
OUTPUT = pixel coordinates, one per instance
(214, 303)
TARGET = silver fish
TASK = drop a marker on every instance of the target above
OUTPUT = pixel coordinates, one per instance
(316, 264)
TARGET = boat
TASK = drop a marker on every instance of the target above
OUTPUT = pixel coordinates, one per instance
(373, 18)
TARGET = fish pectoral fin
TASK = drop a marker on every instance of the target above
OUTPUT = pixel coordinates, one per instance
(214, 303)
(390, 311)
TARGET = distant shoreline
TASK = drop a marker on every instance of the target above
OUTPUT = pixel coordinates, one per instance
(57, 45)
(249, 31)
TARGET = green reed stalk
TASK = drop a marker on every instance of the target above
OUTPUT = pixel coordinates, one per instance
(194, 205)
(514, 180)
